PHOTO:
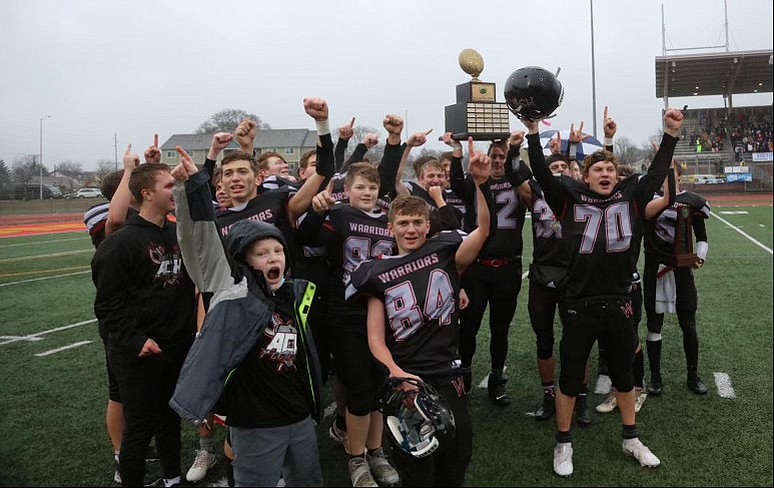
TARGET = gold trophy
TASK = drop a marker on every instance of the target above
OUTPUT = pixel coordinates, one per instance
(477, 112)
(684, 255)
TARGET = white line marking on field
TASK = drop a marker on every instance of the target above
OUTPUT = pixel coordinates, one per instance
(734, 212)
(748, 236)
(723, 382)
(21, 338)
(43, 278)
(57, 329)
(63, 348)
(27, 244)
(52, 255)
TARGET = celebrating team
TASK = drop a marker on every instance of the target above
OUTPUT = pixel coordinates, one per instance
(352, 272)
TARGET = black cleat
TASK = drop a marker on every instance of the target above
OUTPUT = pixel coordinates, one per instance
(697, 385)
(656, 388)
(497, 394)
(547, 410)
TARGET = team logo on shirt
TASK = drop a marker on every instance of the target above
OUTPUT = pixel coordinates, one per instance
(170, 264)
(283, 344)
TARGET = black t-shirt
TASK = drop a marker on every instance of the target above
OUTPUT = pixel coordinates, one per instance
(270, 387)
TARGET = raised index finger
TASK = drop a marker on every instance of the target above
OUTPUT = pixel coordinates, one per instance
(428, 132)
(352, 122)
(471, 147)
(155, 140)
(580, 129)
(128, 150)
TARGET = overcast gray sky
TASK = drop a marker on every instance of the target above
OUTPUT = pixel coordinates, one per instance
(135, 67)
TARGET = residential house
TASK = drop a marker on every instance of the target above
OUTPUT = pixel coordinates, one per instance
(290, 143)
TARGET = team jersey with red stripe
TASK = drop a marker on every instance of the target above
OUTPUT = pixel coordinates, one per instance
(419, 290)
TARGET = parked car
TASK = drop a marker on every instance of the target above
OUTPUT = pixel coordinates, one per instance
(33, 192)
(88, 193)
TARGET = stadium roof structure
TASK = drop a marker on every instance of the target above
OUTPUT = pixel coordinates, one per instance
(726, 74)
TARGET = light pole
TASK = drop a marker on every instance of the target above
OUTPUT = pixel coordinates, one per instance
(41, 154)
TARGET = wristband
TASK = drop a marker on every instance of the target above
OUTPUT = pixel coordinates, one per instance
(323, 127)
(701, 249)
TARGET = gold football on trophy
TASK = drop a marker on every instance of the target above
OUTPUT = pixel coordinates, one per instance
(471, 62)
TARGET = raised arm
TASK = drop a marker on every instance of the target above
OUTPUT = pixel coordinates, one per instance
(388, 168)
(414, 140)
(317, 108)
(245, 135)
(345, 134)
(197, 233)
(122, 198)
(480, 169)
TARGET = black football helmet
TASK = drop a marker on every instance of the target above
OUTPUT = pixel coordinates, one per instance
(415, 420)
(533, 93)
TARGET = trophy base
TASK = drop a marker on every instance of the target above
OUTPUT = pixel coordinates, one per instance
(686, 260)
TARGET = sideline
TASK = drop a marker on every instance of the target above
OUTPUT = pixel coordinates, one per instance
(748, 236)
(33, 337)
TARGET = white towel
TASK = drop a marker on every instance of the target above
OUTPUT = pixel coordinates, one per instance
(666, 293)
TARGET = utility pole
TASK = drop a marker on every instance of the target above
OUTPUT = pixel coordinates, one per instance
(41, 154)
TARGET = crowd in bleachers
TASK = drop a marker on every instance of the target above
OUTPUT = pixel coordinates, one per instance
(747, 129)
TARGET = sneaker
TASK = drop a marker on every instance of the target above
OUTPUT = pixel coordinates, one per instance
(603, 385)
(563, 459)
(381, 469)
(582, 414)
(496, 388)
(639, 399)
(697, 385)
(204, 460)
(640, 452)
(338, 435)
(547, 410)
(608, 405)
(360, 472)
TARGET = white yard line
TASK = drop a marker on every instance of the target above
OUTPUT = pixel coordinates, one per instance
(748, 236)
(43, 278)
(38, 334)
(723, 382)
(27, 244)
(63, 348)
(52, 255)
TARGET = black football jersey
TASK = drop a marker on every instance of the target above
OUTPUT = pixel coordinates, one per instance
(660, 232)
(420, 291)
(602, 232)
(548, 245)
(352, 236)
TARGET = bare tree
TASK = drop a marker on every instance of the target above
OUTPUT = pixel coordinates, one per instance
(227, 120)
(360, 131)
(70, 169)
(25, 168)
(6, 182)
(104, 166)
